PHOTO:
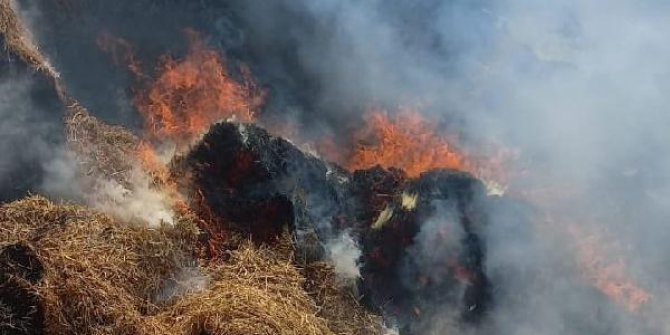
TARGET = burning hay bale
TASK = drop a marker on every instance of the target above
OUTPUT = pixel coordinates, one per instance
(257, 183)
(424, 249)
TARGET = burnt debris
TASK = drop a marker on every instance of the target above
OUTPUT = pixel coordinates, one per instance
(420, 238)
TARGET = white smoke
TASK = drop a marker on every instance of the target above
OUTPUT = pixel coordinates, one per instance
(390, 330)
(578, 87)
(136, 201)
(344, 253)
(141, 203)
(188, 280)
(29, 130)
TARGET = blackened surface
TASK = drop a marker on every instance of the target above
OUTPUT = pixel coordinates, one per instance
(248, 176)
(21, 261)
(257, 183)
(416, 263)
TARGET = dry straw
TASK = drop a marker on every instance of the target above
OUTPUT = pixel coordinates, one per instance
(66, 269)
(97, 276)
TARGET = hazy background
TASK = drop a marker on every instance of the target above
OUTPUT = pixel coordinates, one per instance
(580, 88)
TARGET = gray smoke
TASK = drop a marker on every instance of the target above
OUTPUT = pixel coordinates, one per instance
(578, 87)
(30, 129)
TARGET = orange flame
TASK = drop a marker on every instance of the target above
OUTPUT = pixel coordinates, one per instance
(600, 260)
(406, 141)
(607, 275)
(189, 95)
(153, 166)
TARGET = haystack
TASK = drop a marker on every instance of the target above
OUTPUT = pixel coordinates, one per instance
(65, 269)
(97, 276)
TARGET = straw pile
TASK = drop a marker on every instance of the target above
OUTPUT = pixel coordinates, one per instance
(65, 269)
(98, 277)
(255, 291)
(102, 149)
(338, 303)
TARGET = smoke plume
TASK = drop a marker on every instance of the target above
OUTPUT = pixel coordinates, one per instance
(579, 88)
(344, 253)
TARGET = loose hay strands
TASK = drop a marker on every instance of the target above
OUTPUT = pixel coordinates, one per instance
(100, 276)
(337, 302)
(253, 292)
(103, 150)
(16, 40)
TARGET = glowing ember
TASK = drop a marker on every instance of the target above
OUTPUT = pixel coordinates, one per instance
(189, 95)
(406, 141)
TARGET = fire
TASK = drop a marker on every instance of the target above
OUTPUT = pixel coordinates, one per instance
(600, 260)
(406, 141)
(189, 95)
(607, 275)
(186, 96)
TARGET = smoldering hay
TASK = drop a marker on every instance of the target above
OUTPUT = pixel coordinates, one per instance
(575, 245)
(68, 269)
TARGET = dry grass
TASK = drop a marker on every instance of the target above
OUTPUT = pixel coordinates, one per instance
(337, 302)
(99, 276)
(253, 292)
(103, 277)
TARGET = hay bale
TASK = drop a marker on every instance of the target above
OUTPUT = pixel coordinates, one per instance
(98, 276)
(337, 302)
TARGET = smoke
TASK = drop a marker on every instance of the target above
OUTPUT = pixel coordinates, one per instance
(345, 254)
(139, 204)
(30, 129)
(136, 201)
(578, 87)
(188, 280)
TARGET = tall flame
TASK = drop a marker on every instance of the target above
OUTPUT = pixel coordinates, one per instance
(406, 141)
(189, 95)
